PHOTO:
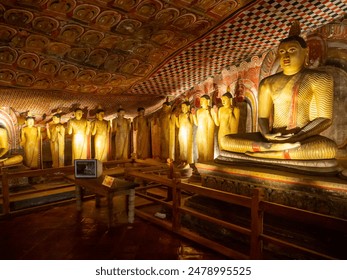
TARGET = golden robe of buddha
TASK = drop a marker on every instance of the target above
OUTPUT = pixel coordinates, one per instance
(100, 130)
(142, 129)
(121, 128)
(205, 130)
(30, 141)
(79, 128)
(185, 123)
(167, 132)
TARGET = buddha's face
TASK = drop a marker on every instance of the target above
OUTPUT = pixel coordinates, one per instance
(78, 114)
(121, 113)
(226, 101)
(56, 119)
(30, 122)
(204, 103)
(184, 108)
(141, 113)
(166, 108)
(292, 57)
(100, 116)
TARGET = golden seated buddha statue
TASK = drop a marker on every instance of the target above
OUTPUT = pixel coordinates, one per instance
(295, 106)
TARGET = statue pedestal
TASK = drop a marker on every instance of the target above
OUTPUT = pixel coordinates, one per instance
(322, 194)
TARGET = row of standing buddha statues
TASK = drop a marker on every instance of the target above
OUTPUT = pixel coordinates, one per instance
(173, 127)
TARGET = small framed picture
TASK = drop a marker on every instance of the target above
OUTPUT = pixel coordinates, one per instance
(108, 181)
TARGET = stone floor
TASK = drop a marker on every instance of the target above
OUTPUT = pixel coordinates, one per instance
(60, 233)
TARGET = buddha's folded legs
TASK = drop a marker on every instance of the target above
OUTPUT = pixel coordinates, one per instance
(314, 148)
(254, 145)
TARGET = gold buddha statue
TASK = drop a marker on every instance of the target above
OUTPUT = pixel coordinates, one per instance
(226, 117)
(56, 134)
(142, 128)
(184, 123)
(205, 130)
(100, 129)
(295, 106)
(79, 128)
(30, 141)
(121, 129)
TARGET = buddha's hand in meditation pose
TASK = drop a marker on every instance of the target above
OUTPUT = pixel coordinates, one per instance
(278, 136)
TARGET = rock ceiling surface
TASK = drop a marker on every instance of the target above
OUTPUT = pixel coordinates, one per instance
(68, 53)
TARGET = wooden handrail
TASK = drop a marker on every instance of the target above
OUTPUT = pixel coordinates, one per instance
(38, 172)
(282, 243)
(6, 176)
(217, 194)
(218, 222)
(226, 251)
(168, 204)
(149, 177)
(302, 215)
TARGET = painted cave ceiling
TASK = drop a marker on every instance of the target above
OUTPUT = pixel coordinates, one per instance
(63, 54)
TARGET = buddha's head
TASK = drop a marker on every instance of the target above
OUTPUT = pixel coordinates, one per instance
(227, 99)
(56, 118)
(185, 107)
(293, 51)
(205, 101)
(121, 112)
(30, 121)
(78, 114)
(141, 111)
(166, 106)
(100, 114)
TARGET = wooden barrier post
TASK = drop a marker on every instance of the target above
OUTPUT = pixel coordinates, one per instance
(257, 223)
(176, 204)
(170, 175)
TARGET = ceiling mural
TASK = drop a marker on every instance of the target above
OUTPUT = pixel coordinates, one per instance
(134, 52)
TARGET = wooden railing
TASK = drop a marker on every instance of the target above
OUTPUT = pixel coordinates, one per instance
(256, 204)
(11, 173)
(7, 176)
